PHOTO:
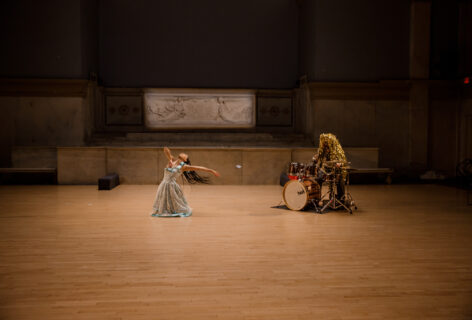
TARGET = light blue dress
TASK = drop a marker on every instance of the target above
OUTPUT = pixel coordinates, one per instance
(170, 200)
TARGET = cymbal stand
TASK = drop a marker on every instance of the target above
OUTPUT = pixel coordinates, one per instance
(347, 198)
(333, 202)
(316, 205)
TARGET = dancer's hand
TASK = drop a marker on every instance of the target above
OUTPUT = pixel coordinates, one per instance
(215, 173)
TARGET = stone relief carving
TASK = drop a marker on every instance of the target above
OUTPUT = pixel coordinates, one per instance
(199, 110)
(123, 110)
(274, 111)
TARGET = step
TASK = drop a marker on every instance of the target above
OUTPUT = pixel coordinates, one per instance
(145, 165)
(34, 157)
(202, 139)
(13, 176)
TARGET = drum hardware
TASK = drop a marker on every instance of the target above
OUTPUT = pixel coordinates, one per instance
(334, 162)
(294, 170)
(298, 170)
(311, 170)
(301, 171)
(303, 190)
(332, 201)
(298, 194)
(334, 165)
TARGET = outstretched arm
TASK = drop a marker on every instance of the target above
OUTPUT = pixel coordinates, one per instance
(168, 154)
(198, 168)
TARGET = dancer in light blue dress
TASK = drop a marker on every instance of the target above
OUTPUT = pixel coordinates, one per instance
(170, 200)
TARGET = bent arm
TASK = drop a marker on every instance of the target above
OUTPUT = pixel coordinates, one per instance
(198, 168)
(168, 154)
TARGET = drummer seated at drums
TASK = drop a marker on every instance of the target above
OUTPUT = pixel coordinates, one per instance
(332, 160)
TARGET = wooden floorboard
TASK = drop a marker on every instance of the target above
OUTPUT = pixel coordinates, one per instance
(73, 252)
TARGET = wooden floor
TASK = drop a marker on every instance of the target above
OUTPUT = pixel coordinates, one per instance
(72, 252)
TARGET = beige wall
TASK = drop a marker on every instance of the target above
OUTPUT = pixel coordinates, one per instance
(362, 115)
(34, 157)
(443, 149)
(415, 130)
(44, 121)
(136, 165)
(365, 123)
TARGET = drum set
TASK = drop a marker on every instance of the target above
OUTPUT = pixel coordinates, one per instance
(303, 190)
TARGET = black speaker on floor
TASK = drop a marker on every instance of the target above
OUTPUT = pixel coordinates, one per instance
(108, 182)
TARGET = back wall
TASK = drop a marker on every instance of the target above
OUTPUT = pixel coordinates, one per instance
(207, 43)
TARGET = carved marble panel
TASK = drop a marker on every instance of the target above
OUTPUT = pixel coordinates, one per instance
(199, 109)
(274, 111)
(123, 110)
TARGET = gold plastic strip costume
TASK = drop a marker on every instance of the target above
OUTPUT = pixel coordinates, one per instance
(334, 152)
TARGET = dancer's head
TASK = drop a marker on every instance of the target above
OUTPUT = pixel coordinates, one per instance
(191, 176)
(183, 157)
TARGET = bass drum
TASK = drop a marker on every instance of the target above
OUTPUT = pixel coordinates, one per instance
(298, 194)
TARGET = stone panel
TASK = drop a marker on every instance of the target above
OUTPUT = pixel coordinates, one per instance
(146, 165)
(223, 161)
(442, 147)
(352, 121)
(274, 111)
(359, 157)
(328, 118)
(391, 130)
(80, 165)
(303, 155)
(362, 157)
(34, 157)
(134, 165)
(49, 121)
(227, 162)
(358, 123)
(418, 128)
(124, 110)
(187, 108)
(264, 166)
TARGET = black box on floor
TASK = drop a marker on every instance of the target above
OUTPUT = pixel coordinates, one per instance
(108, 182)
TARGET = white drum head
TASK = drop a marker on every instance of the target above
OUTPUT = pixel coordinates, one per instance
(295, 195)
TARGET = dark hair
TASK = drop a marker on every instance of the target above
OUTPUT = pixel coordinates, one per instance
(192, 177)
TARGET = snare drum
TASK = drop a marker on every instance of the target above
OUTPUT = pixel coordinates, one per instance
(298, 194)
(294, 170)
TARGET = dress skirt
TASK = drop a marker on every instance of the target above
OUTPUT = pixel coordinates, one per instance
(170, 200)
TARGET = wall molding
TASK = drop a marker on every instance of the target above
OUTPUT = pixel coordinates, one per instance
(43, 87)
(383, 90)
